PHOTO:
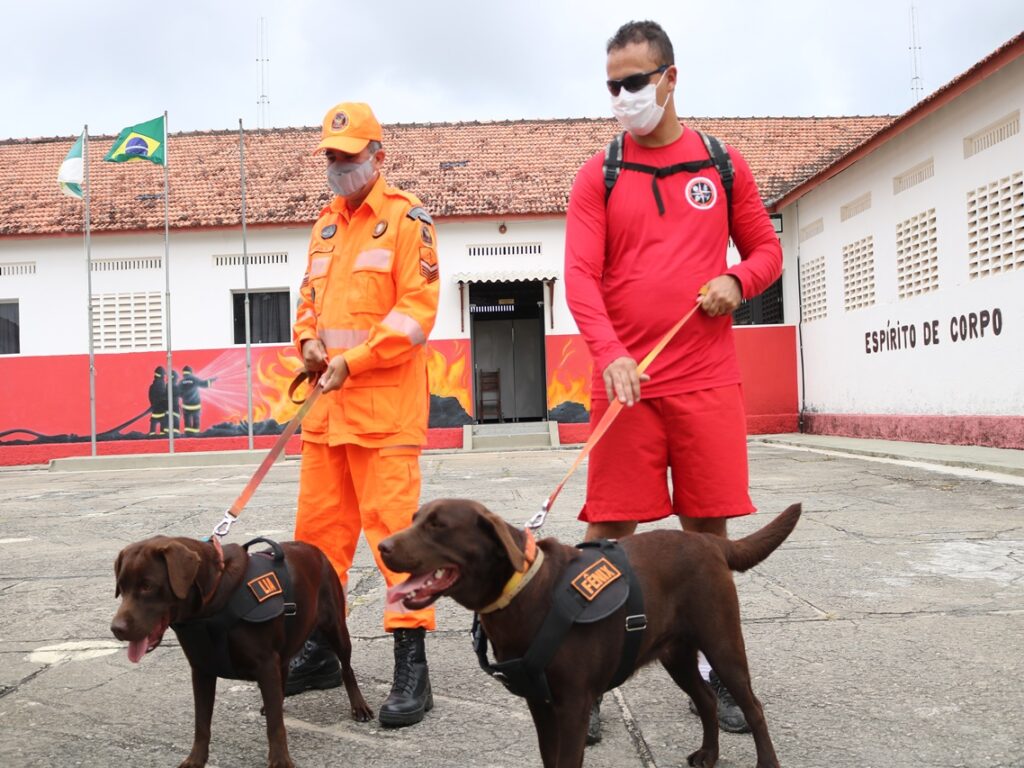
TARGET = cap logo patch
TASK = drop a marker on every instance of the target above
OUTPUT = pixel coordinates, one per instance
(381, 228)
(701, 193)
(595, 577)
(340, 121)
(266, 586)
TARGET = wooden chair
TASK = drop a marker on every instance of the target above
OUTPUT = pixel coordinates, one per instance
(489, 395)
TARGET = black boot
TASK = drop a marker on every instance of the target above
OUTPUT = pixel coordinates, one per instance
(730, 716)
(410, 696)
(594, 724)
(314, 666)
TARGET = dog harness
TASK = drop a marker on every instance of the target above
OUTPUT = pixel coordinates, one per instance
(264, 593)
(592, 588)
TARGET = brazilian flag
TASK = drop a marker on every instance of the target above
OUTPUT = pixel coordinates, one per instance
(144, 141)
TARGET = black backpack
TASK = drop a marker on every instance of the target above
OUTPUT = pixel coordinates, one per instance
(718, 157)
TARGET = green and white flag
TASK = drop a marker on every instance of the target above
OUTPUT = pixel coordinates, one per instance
(144, 141)
(70, 174)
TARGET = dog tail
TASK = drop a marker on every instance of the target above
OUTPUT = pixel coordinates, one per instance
(750, 550)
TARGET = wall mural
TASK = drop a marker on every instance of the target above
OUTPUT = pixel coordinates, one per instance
(46, 399)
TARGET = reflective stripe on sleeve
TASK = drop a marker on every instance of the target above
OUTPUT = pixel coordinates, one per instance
(406, 325)
(342, 338)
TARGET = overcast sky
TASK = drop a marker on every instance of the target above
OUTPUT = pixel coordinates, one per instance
(111, 64)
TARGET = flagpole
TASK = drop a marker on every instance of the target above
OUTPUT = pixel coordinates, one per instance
(167, 291)
(245, 272)
(88, 282)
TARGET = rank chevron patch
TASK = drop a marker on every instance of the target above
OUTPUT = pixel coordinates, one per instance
(428, 270)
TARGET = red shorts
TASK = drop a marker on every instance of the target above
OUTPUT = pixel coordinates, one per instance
(699, 439)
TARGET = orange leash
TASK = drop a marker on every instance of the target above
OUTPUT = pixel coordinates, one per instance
(222, 528)
(537, 521)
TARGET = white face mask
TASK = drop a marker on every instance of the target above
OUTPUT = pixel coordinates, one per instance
(639, 112)
(346, 179)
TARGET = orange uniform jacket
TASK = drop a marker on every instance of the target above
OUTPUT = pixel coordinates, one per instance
(370, 293)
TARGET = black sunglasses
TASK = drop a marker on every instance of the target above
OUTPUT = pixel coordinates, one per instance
(634, 83)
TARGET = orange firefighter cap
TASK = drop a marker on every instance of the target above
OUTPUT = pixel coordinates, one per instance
(349, 127)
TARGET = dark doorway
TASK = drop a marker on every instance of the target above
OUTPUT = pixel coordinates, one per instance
(507, 331)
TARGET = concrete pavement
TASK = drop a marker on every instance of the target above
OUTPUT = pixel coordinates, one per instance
(885, 632)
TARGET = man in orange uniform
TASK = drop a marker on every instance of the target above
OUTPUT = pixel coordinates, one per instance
(368, 302)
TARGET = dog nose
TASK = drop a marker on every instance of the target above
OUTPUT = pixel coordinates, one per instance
(119, 628)
(385, 547)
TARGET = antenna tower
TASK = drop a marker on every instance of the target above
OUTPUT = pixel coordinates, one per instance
(262, 64)
(916, 84)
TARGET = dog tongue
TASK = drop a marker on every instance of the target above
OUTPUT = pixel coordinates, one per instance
(398, 592)
(137, 649)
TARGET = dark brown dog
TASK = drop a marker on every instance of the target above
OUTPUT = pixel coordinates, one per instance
(458, 548)
(163, 581)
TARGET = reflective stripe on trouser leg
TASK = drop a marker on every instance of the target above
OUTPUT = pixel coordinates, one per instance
(328, 514)
(387, 482)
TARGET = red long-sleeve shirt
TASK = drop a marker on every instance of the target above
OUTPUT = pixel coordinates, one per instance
(631, 273)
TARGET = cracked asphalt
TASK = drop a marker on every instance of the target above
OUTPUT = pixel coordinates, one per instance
(887, 631)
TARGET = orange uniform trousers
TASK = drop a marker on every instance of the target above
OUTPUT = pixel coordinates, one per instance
(347, 488)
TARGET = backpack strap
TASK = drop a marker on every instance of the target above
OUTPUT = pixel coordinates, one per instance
(718, 157)
(723, 164)
(612, 163)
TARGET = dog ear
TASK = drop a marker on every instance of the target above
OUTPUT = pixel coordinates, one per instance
(501, 530)
(117, 573)
(182, 567)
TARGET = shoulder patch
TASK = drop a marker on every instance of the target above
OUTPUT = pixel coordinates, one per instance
(419, 213)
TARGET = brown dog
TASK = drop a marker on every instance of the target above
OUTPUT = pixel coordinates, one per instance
(181, 582)
(458, 548)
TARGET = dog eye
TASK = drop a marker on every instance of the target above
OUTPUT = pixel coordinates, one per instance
(435, 522)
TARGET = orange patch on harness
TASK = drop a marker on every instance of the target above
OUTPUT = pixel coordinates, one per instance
(266, 586)
(592, 580)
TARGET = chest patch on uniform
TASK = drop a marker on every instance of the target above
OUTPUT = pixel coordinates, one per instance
(594, 578)
(701, 193)
(328, 232)
(428, 238)
(265, 586)
(381, 228)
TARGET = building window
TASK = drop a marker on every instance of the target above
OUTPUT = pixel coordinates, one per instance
(255, 259)
(765, 309)
(851, 209)
(10, 328)
(269, 317)
(991, 135)
(913, 176)
(995, 227)
(917, 255)
(126, 321)
(859, 273)
(812, 289)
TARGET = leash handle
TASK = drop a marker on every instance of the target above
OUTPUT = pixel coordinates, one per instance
(535, 523)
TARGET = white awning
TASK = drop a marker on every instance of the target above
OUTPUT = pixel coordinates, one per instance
(506, 276)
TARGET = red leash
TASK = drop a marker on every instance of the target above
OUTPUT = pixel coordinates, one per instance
(614, 408)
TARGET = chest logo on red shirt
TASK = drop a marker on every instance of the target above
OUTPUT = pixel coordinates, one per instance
(701, 193)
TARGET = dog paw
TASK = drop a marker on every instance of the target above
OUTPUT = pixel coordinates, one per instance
(703, 758)
(362, 713)
(192, 762)
(283, 763)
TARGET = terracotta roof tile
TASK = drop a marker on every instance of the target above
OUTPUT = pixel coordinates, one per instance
(458, 169)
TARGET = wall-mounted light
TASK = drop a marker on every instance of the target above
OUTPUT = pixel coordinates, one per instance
(776, 222)
(502, 228)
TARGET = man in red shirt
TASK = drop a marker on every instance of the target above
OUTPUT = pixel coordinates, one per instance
(635, 262)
